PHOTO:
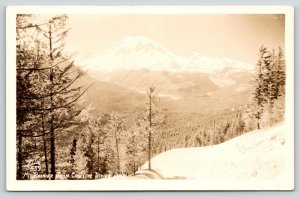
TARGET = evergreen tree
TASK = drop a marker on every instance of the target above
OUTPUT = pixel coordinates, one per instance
(73, 154)
(261, 89)
(46, 87)
(151, 102)
(60, 88)
(132, 152)
(116, 127)
(29, 64)
(240, 125)
(135, 148)
(267, 106)
(90, 155)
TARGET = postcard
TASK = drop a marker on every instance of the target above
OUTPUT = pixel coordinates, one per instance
(148, 98)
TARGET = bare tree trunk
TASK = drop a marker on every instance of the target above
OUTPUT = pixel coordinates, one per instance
(45, 154)
(52, 150)
(52, 131)
(134, 155)
(20, 158)
(98, 155)
(150, 125)
(258, 118)
(149, 151)
(44, 143)
(134, 169)
(117, 146)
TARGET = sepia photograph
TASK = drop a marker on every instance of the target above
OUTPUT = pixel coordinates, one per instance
(150, 98)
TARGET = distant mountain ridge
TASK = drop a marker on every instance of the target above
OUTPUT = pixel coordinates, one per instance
(124, 73)
(139, 52)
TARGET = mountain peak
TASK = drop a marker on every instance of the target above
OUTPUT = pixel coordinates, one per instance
(135, 40)
(136, 52)
(139, 43)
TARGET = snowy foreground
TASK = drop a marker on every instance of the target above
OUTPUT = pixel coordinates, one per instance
(257, 154)
(255, 160)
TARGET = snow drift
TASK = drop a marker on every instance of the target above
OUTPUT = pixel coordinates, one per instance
(258, 160)
(258, 154)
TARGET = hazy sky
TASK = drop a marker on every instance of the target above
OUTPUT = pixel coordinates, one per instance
(232, 36)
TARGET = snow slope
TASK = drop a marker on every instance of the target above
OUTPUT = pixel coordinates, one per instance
(257, 154)
(258, 160)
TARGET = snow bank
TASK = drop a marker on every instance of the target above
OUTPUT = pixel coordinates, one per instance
(258, 160)
(258, 154)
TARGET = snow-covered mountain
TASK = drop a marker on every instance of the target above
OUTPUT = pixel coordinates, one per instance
(139, 52)
(233, 78)
(137, 63)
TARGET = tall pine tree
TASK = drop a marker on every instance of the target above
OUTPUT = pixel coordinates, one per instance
(267, 103)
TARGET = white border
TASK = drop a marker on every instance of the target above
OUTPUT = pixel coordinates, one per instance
(88, 185)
